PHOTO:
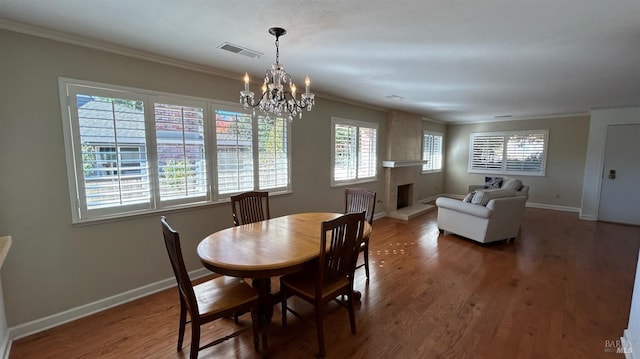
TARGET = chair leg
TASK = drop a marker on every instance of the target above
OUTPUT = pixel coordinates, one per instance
(366, 257)
(284, 306)
(255, 326)
(320, 329)
(195, 339)
(265, 344)
(182, 324)
(352, 314)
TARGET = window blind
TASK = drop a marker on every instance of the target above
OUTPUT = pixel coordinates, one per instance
(113, 151)
(431, 151)
(180, 147)
(518, 152)
(234, 142)
(273, 153)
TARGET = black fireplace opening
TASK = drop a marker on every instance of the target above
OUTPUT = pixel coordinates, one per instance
(404, 196)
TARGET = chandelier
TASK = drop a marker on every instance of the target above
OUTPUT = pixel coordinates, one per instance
(276, 99)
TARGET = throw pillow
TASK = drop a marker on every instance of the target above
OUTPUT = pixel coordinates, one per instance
(492, 182)
(512, 183)
(469, 197)
(482, 197)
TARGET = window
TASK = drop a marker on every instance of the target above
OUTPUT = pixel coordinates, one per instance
(251, 154)
(180, 147)
(518, 152)
(133, 151)
(354, 151)
(432, 151)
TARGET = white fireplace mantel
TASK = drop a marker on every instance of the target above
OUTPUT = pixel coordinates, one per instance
(396, 164)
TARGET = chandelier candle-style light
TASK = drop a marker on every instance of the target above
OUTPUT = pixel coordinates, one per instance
(276, 100)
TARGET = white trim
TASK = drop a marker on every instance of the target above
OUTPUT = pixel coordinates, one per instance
(434, 135)
(108, 47)
(594, 163)
(505, 153)
(357, 124)
(38, 325)
(521, 118)
(5, 346)
(137, 54)
(553, 207)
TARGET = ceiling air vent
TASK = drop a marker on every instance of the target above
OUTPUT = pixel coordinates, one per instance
(240, 50)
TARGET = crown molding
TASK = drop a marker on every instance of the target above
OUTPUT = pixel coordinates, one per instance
(522, 118)
(108, 47)
(129, 52)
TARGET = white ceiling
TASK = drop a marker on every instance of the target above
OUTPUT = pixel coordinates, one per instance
(453, 60)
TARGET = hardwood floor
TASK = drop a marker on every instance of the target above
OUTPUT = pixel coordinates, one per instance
(560, 290)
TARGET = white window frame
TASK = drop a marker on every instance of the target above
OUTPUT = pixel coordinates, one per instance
(502, 153)
(357, 177)
(433, 157)
(81, 213)
(257, 185)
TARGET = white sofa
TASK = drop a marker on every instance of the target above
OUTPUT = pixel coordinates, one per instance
(498, 220)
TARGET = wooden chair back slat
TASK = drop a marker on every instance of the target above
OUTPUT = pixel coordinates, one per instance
(338, 257)
(358, 200)
(250, 207)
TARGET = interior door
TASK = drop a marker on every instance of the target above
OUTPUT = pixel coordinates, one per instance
(620, 191)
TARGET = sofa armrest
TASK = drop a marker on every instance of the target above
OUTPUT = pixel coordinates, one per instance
(507, 204)
(463, 207)
(475, 187)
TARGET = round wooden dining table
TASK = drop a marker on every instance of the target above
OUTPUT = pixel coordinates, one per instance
(266, 249)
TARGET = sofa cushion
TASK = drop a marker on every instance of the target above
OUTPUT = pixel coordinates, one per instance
(469, 197)
(512, 183)
(492, 182)
(483, 196)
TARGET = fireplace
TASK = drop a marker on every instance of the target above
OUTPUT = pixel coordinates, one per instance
(405, 196)
(402, 169)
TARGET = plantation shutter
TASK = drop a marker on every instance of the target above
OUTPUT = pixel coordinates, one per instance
(367, 152)
(486, 152)
(432, 151)
(525, 152)
(345, 155)
(273, 153)
(180, 147)
(234, 142)
(517, 152)
(112, 151)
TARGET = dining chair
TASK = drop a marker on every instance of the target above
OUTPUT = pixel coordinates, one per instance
(358, 200)
(333, 274)
(217, 298)
(250, 207)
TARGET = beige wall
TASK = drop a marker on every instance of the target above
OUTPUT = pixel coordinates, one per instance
(54, 266)
(562, 184)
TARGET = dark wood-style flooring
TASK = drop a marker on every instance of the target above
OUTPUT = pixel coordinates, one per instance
(560, 290)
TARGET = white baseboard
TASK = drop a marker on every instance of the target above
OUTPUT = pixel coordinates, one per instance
(553, 207)
(5, 346)
(38, 325)
(587, 217)
(379, 215)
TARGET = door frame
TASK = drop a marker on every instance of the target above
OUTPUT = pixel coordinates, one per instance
(594, 163)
